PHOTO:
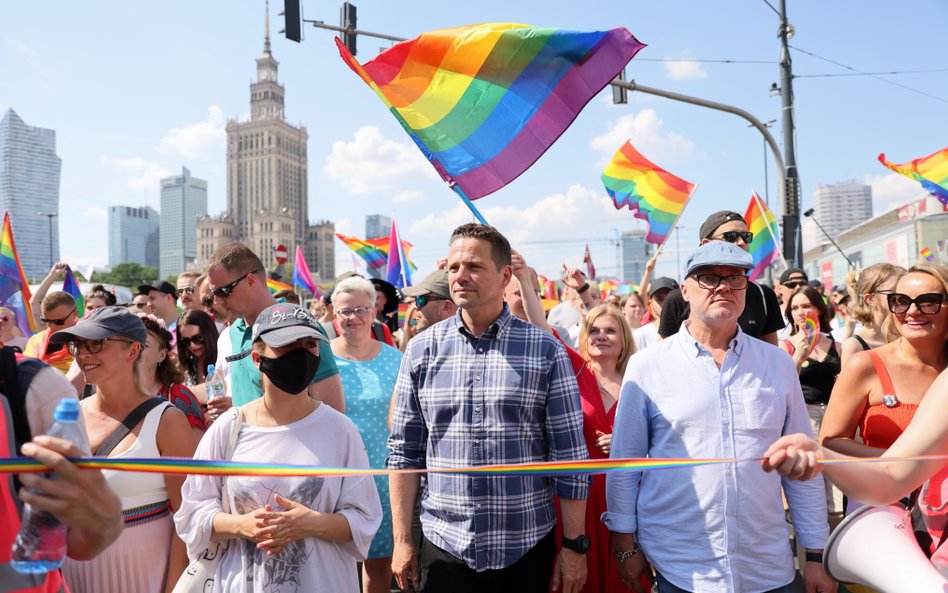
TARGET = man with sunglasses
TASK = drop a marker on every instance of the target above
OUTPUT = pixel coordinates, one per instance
(433, 297)
(237, 280)
(711, 392)
(59, 313)
(187, 291)
(761, 317)
(790, 280)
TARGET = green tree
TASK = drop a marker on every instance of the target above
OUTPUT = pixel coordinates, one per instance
(129, 274)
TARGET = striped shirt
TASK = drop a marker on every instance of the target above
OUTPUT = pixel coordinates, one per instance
(509, 396)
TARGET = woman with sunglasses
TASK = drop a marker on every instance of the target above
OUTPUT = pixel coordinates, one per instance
(10, 334)
(109, 346)
(285, 533)
(368, 369)
(868, 290)
(879, 390)
(197, 344)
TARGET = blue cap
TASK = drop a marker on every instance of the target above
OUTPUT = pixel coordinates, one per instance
(718, 253)
(67, 410)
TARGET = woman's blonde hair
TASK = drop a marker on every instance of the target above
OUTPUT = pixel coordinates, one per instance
(867, 282)
(628, 346)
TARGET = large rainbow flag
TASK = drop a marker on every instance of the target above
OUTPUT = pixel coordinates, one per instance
(375, 251)
(650, 192)
(484, 102)
(765, 248)
(931, 171)
(14, 289)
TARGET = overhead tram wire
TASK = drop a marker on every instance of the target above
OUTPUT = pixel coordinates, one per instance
(870, 74)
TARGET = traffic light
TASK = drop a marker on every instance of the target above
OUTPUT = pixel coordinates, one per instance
(347, 20)
(291, 14)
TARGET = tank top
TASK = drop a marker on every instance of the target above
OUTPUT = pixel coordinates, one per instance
(883, 422)
(818, 377)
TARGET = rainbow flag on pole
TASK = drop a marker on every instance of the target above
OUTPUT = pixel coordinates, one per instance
(765, 248)
(375, 251)
(484, 102)
(931, 171)
(71, 286)
(650, 192)
(14, 289)
(397, 273)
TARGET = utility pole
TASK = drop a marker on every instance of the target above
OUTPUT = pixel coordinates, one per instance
(51, 216)
(792, 247)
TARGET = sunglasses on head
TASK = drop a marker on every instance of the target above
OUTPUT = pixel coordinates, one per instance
(58, 321)
(224, 291)
(927, 304)
(423, 299)
(196, 339)
(733, 236)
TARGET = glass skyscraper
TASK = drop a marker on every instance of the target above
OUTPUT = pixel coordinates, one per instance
(133, 235)
(183, 200)
(29, 191)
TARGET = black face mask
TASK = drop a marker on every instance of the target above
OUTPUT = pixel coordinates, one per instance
(292, 372)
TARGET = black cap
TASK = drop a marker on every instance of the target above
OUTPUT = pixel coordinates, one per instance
(793, 271)
(713, 222)
(285, 323)
(103, 323)
(159, 285)
(660, 283)
(390, 292)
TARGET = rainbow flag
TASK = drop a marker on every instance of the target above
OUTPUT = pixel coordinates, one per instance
(301, 275)
(765, 248)
(650, 192)
(926, 252)
(14, 289)
(931, 171)
(71, 286)
(276, 286)
(402, 314)
(397, 273)
(375, 251)
(484, 102)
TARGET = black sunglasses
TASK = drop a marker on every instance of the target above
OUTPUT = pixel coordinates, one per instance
(196, 338)
(138, 305)
(185, 290)
(927, 304)
(208, 301)
(794, 284)
(423, 299)
(733, 236)
(58, 321)
(224, 291)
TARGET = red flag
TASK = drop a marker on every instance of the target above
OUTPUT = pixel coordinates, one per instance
(590, 268)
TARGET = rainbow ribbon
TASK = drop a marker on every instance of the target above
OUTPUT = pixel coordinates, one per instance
(209, 467)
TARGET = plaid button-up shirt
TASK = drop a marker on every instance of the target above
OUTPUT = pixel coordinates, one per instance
(509, 396)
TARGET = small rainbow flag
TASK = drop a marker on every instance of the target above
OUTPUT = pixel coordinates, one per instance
(650, 192)
(765, 248)
(71, 286)
(375, 251)
(484, 102)
(931, 171)
(927, 254)
(276, 286)
(14, 289)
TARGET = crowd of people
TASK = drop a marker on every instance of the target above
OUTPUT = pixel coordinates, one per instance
(708, 366)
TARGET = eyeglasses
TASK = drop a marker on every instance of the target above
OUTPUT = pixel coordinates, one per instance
(208, 301)
(357, 312)
(712, 281)
(928, 304)
(733, 236)
(793, 284)
(58, 321)
(224, 291)
(423, 299)
(184, 290)
(196, 339)
(91, 346)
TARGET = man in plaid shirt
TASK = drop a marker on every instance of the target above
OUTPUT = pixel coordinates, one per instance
(483, 388)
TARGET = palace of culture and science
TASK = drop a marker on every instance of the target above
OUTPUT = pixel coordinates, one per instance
(267, 198)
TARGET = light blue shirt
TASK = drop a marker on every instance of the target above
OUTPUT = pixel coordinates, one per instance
(720, 527)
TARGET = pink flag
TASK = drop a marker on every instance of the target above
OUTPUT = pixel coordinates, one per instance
(301, 275)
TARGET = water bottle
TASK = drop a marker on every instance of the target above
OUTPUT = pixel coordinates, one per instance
(215, 383)
(40, 546)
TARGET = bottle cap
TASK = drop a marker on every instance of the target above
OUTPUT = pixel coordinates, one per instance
(210, 370)
(67, 410)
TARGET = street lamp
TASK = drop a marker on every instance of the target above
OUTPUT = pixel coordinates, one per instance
(809, 214)
(51, 216)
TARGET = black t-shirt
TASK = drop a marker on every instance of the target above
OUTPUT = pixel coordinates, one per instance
(760, 317)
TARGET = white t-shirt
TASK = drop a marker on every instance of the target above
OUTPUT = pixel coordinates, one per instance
(645, 336)
(325, 437)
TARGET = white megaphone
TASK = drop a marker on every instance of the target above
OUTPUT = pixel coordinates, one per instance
(876, 547)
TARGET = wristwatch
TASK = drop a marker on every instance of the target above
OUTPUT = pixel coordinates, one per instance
(579, 544)
(584, 288)
(621, 556)
(814, 556)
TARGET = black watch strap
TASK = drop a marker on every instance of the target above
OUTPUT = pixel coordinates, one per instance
(579, 544)
(584, 288)
(814, 556)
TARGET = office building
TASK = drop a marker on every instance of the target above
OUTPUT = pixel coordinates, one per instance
(377, 225)
(29, 191)
(134, 235)
(320, 250)
(183, 201)
(635, 254)
(841, 206)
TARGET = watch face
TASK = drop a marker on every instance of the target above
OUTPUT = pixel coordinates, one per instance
(580, 544)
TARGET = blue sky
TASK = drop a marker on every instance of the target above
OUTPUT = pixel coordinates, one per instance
(137, 90)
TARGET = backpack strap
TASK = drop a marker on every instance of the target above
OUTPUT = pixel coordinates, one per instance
(378, 331)
(130, 421)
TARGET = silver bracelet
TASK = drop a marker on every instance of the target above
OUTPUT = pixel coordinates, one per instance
(621, 556)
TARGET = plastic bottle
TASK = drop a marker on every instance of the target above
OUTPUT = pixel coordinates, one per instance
(40, 546)
(215, 383)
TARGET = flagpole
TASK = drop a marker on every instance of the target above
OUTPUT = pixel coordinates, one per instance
(770, 229)
(467, 202)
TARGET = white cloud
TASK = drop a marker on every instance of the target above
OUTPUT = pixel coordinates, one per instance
(892, 190)
(96, 213)
(649, 136)
(372, 163)
(143, 175)
(203, 140)
(20, 48)
(344, 226)
(684, 70)
(406, 196)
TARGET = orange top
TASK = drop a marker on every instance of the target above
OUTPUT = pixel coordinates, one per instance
(882, 423)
